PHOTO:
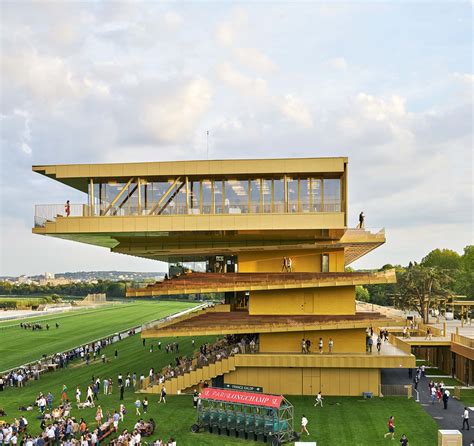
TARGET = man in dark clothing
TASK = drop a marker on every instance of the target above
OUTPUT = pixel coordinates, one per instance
(445, 400)
(361, 220)
(121, 392)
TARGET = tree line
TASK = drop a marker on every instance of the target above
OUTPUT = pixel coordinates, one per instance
(110, 288)
(441, 274)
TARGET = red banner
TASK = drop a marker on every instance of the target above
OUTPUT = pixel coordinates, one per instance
(233, 396)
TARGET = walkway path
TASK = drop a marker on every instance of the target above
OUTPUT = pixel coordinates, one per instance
(446, 419)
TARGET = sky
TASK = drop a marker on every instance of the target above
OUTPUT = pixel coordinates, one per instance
(387, 84)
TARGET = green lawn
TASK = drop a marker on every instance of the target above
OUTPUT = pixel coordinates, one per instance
(447, 381)
(19, 346)
(342, 421)
(467, 397)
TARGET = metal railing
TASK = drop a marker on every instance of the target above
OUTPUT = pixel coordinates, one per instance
(462, 340)
(51, 212)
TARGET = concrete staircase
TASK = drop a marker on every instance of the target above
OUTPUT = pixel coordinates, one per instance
(180, 383)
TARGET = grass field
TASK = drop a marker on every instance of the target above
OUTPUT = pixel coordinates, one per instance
(19, 346)
(342, 421)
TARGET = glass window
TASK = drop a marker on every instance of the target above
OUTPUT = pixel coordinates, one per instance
(325, 263)
(267, 196)
(332, 195)
(278, 195)
(305, 194)
(292, 185)
(236, 196)
(206, 196)
(178, 203)
(194, 197)
(255, 186)
(218, 196)
(316, 195)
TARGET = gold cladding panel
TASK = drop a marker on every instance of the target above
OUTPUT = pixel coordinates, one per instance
(321, 301)
(308, 381)
(182, 223)
(345, 341)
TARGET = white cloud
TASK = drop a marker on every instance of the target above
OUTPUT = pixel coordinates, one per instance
(173, 20)
(337, 63)
(228, 31)
(173, 119)
(245, 84)
(26, 148)
(47, 78)
(255, 59)
(296, 110)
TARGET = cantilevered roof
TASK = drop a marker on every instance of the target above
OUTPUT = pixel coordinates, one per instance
(210, 323)
(78, 175)
(195, 283)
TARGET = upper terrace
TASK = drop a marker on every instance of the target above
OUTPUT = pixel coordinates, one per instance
(186, 210)
(314, 185)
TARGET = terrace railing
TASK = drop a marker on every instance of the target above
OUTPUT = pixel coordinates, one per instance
(50, 212)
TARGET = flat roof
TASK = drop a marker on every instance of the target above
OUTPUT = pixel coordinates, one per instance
(77, 175)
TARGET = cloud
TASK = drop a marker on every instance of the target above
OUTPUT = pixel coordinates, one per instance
(227, 32)
(245, 84)
(295, 109)
(47, 79)
(173, 118)
(173, 20)
(255, 59)
(337, 64)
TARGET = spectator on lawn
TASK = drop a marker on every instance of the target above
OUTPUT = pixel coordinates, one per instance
(404, 440)
(304, 423)
(99, 415)
(319, 400)
(391, 427)
(138, 404)
(106, 386)
(64, 394)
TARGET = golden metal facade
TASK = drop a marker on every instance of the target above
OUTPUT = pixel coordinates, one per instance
(260, 211)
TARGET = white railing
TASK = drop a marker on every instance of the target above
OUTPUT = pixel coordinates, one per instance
(51, 212)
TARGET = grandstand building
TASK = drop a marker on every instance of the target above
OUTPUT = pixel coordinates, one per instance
(274, 239)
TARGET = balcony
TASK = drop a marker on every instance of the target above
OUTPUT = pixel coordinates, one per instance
(45, 213)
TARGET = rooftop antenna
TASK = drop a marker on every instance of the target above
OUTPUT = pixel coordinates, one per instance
(207, 142)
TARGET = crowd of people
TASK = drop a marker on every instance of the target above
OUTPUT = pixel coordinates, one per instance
(87, 353)
(59, 427)
(207, 354)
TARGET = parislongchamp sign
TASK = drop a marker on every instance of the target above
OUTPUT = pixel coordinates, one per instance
(234, 396)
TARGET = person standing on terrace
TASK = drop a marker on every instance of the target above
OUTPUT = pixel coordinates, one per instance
(67, 208)
(361, 220)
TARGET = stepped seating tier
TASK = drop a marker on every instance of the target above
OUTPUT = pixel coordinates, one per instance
(242, 322)
(179, 383)
(216, 282)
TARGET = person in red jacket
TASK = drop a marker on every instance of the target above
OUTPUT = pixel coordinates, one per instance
(391, 427)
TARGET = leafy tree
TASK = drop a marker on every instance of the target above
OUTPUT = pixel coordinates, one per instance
(464, 278)
(362, 294)
(116, 289)
(442, 258)
(419, 286)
